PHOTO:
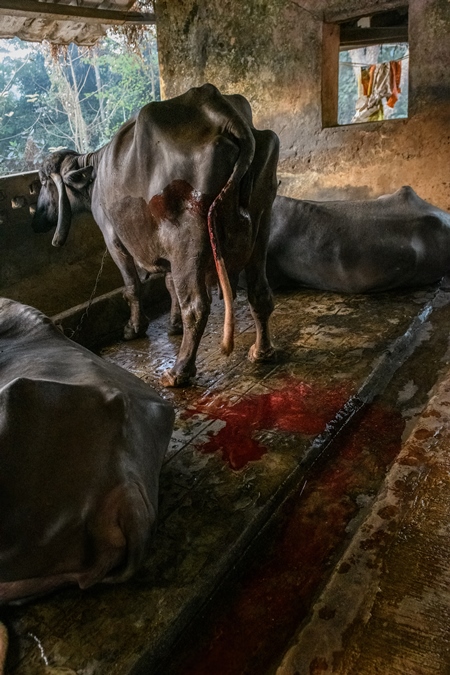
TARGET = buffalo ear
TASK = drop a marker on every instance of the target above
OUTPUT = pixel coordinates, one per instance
(79, 178)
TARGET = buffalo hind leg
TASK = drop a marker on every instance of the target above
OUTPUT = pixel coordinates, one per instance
(176, 321)
(137, 323)
(263, 194)
(261, 306)
(195, 304)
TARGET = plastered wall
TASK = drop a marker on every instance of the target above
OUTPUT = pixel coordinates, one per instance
(271, 51)
(32, 271)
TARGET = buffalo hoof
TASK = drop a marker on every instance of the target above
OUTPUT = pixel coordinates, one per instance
(171, 379)
(130, 332)
(260, 356)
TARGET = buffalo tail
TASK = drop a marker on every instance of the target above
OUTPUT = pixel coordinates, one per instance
(240, 179)
(224, 281)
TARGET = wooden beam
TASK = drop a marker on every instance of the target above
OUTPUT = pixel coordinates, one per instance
(353, 38)
(330, 73)
(365, 8)
(58, 12)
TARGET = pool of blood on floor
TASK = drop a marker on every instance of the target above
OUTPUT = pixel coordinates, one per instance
(250, 624)
(296, 407)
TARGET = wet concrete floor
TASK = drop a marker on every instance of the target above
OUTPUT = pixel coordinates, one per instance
(386, 606)
(270, 472)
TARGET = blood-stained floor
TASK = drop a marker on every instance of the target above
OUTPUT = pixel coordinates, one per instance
(271, 471)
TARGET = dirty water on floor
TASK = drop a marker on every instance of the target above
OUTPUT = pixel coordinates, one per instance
(241, 432)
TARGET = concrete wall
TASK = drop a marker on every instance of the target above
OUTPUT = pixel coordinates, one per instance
(32, 270)
(271, 51)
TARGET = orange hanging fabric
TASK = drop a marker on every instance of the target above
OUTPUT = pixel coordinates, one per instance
(367, 80)
(395, 68)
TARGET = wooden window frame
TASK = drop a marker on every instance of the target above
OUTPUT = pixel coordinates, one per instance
(335, 38)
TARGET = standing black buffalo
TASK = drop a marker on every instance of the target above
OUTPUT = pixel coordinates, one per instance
(185, 187)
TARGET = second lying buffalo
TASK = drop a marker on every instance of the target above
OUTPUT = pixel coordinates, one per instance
(81, 447)
(395, 241)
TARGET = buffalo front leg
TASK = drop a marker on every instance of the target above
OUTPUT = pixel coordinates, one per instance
(194, 305)
(138, 322)
(261, 306)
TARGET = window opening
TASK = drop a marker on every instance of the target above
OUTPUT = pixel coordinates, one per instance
(366, 69)
(75, 98)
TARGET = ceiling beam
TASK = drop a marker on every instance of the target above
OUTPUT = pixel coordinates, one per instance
(354, 38)
(365, 9)
(58, 12)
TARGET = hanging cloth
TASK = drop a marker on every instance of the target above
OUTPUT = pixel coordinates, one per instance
(395, 68)
(374, 85)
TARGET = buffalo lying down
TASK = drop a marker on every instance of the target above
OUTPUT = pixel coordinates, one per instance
(81, 447)
(395, 241)
(185, 187)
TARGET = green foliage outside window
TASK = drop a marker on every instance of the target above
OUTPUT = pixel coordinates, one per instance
(76, 98)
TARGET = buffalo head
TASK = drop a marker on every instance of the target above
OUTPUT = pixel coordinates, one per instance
(64, 191)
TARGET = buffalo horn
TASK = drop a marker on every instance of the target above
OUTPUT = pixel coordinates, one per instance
(64, 212)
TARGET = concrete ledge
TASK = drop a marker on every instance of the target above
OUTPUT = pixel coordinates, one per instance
(101, 321)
